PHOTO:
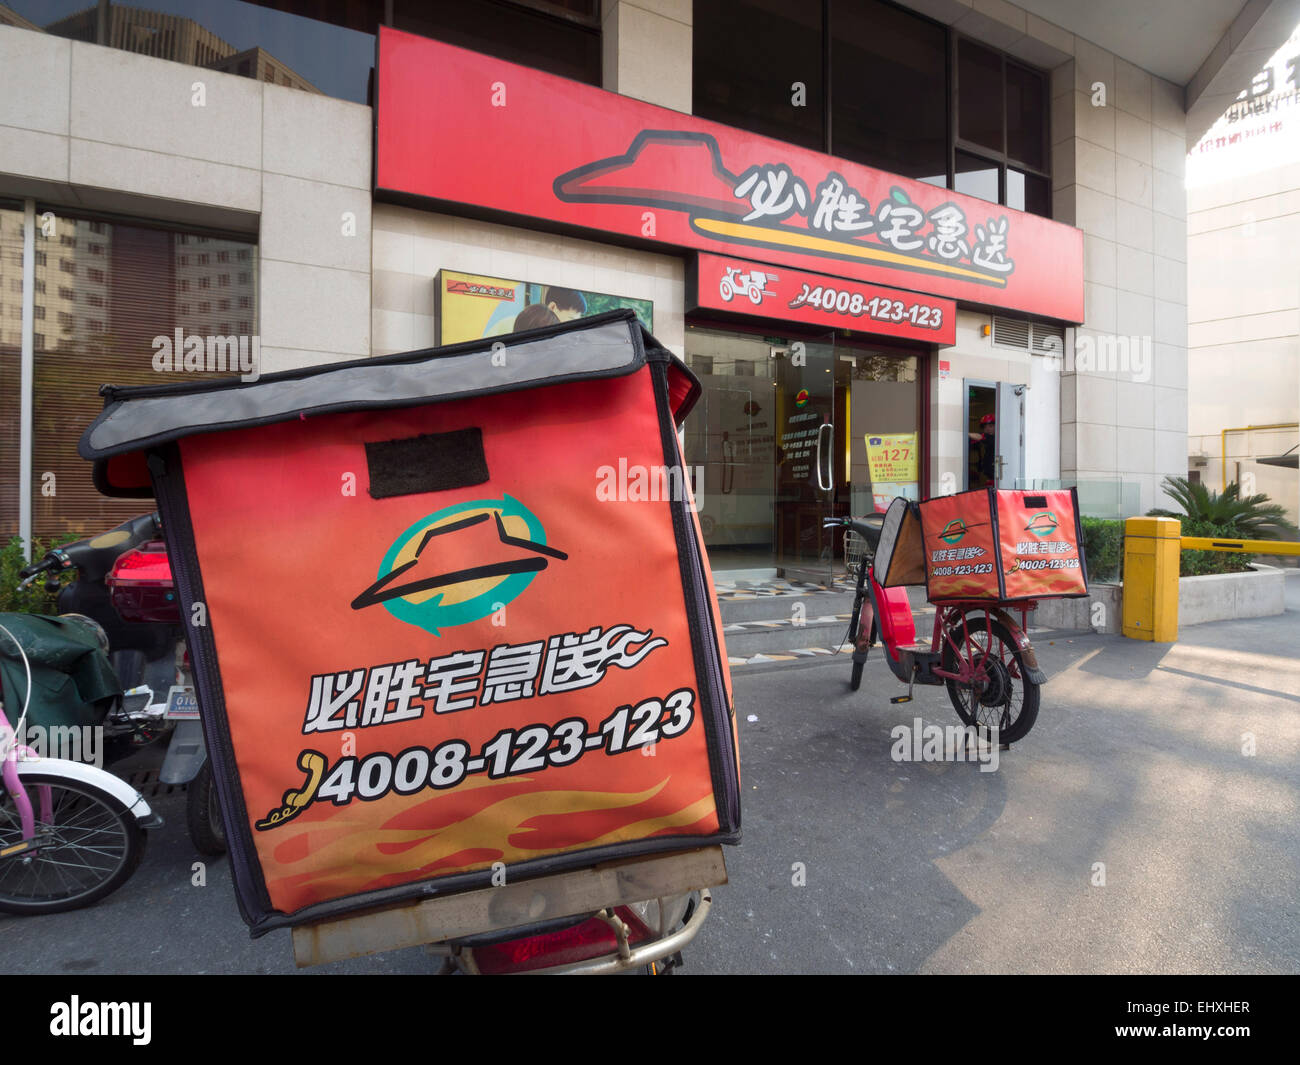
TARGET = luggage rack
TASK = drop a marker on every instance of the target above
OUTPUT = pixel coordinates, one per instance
(433, 922)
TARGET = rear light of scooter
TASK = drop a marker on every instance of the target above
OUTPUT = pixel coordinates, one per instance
(140, 585)
(591, 938)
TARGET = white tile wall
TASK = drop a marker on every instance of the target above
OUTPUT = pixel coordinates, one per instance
(1135, 242)
(28, 59)
(646, 50)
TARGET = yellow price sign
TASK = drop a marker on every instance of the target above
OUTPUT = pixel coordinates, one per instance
(892, 457)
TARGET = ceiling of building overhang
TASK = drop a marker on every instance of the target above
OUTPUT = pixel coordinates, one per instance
(1171, 38)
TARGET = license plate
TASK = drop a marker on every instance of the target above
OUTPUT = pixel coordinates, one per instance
(182, 703)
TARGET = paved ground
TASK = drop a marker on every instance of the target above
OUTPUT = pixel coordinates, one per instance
(1136, 762)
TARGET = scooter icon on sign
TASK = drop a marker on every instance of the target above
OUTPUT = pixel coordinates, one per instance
(750, 284)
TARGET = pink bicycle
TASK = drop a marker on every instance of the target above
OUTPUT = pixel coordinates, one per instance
(81, 839)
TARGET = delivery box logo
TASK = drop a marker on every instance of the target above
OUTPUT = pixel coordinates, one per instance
(459, 564)
(1043, 524)
(953, 531)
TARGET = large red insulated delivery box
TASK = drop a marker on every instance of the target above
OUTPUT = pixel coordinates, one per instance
(449, 612)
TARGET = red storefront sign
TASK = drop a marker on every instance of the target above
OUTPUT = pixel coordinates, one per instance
(726, 284)
(462, 128)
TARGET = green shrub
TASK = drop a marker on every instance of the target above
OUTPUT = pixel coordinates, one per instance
(1225, 515)
(1103, 548)
(1253, 517)
(34, 599)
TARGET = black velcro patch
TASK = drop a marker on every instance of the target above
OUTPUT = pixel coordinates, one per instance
(433, 462)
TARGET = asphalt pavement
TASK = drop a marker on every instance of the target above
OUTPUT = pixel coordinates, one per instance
(1147, 824)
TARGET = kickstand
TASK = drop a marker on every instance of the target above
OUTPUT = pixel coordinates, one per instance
(908, 697)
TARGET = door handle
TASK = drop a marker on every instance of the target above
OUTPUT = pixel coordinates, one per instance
(830, 479)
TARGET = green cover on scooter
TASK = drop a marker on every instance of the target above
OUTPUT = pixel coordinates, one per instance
(73, 683)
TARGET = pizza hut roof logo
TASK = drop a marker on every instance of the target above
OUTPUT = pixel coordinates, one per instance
(953, 531)
(460, 564)
(769, 206)
(1042, 524)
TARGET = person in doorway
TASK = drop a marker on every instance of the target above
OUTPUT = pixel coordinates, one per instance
(983, 447)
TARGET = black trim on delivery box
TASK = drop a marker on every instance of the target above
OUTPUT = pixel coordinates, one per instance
(699, 612)
(173, 506)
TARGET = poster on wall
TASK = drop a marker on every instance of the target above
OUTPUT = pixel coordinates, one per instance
(472, 306)
(892, 460)
(892, 456)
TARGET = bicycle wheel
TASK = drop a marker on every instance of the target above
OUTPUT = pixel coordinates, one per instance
(860, 605)
(855, 679)
(89, 847)
(1000, 694)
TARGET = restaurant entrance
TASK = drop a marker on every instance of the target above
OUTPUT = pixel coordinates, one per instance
(792, 429)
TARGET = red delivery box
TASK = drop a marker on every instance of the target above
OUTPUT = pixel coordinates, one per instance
(432, 640)
(1001, 544)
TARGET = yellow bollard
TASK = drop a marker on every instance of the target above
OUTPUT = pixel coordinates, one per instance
(1151, 554)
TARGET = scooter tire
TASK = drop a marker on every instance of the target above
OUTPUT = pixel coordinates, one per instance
(968, 705)
(203, 814)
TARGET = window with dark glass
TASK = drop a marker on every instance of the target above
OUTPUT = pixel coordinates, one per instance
(1001, 130)
(313, 47)
(11, 347)
(885, 87)
(758, 65)
(889, 94)
(560, 36)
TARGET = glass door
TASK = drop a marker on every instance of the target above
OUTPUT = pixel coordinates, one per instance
(730, 436)
(806, 442)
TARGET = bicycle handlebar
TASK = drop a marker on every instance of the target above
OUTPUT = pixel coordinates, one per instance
(868, 531)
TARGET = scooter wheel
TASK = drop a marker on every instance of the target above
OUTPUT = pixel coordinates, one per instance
(1002, 696)
(203, 814)
(89, 847)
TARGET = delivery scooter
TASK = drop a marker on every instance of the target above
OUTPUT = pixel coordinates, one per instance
(976, 650)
